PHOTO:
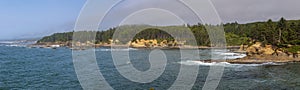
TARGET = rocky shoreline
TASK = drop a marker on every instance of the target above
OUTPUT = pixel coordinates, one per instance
(256, 60)
(259, 54)
(131, 45)
(263, 59)
(256, 53)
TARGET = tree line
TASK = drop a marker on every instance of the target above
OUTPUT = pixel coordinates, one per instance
(279, 33)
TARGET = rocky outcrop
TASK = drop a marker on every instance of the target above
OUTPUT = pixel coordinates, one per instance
(258, 59)
(138, 43)
(254, 49)
(279, 52)
(267, 50)
(242, 48)
(152, 43)
(258, 49)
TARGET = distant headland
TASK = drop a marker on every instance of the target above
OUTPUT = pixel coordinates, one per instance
(269, 41)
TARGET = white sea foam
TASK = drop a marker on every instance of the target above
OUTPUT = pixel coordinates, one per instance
(16, 43)
(233, 55)
(190, 62)
(226, 64)
(7, 42)
(227, 55)
(109, 49)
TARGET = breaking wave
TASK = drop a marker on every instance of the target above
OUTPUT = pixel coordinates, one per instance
(226, 64)
(16, 43)
(111, 49)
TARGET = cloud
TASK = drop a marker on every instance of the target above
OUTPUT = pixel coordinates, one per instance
(257, 10)
(129, 7)
(242, 11)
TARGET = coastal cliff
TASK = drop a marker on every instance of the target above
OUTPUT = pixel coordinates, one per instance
(259, 53)
(261, 41)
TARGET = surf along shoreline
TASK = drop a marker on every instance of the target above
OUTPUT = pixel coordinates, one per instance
(258, 57)
(256, 60)
(260, 54)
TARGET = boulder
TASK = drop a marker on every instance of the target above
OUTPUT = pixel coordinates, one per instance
(279, 52)
(254, 49)
(257, 45)
(268, 50)
(137, 45)
(298, 53)
(164, 43)
(110, 41)
(251, 50)
(242, 48)
(129, 43)
(154, 42)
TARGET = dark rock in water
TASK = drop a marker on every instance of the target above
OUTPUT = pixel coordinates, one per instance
(259, 59)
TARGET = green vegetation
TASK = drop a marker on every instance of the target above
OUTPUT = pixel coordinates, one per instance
(293, 49)
(152, 33)
(62, 37)
(234, 39)
(275, 33)
(279, 33)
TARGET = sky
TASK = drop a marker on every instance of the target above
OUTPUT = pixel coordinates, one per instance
(37, 18)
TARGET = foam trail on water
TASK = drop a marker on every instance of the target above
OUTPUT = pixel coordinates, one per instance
(190, 62)
(17, 43)
(226, 64)
(109, 49)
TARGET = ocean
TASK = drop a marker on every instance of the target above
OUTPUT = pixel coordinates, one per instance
(44, 68)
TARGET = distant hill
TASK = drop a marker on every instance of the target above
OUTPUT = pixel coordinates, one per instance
(268, 32)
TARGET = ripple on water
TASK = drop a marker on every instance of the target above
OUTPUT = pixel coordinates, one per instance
(24, 68)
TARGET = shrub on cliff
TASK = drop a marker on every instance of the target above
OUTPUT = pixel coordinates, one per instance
(293, 49)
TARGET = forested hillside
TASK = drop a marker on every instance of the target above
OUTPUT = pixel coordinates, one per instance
(269, 32)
